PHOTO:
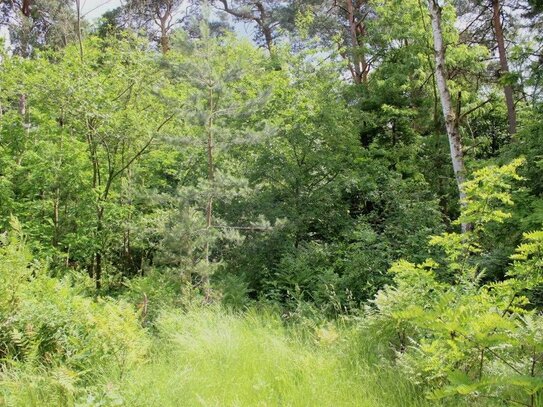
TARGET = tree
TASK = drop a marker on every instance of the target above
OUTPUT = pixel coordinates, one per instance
(163, 14)
(39, 24)
(119, 128)
(485, 25)
(356, 14)
(468, 338)
(95, 119)
(451, 117)
(342, 24)
(219, 84)
(504, 66)
(262, 12)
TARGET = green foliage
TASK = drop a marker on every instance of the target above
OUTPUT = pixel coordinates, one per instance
(217, 84)
(73, 155)
(220, 172)
(53, 335)
(471, 339)
(487, 192)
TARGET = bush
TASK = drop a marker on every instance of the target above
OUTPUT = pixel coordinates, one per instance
(467, 339)
(47, 324)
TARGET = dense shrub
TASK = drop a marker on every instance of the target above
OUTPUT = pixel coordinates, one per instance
(467, 338)
(47, 325)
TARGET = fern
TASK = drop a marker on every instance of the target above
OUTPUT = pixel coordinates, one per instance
(471, 339)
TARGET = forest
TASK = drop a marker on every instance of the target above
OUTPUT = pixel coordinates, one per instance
(271, 203)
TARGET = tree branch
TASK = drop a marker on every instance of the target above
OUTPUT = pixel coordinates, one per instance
(142, 150)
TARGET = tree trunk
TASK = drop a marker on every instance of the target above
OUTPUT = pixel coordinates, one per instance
(164, 42)
(98, 270)
(98, 253)
(79, 38)
(268, 38)
(504, 67)
(56, 217)
(22, 105)
(264, 23)
(163, 19)
(356, 30)
(451, 120)
(210, 178)
(25, 118)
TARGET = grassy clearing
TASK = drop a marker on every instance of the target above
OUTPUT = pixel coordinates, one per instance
(212, 357)
(215, 358)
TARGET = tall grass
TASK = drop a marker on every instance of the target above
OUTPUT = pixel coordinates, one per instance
(215, 358)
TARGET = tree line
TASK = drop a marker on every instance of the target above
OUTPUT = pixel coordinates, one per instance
(376, 155)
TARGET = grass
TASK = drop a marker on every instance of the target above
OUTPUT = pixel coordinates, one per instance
(212, 357)
(216, 358)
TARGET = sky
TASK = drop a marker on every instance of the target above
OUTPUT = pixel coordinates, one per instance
(92, 9)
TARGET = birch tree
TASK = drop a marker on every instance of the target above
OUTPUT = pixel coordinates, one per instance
(451, 117)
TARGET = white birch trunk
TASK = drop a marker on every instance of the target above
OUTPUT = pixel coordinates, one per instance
(451, 121)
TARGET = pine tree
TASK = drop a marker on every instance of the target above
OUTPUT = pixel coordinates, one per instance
(221, 82)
